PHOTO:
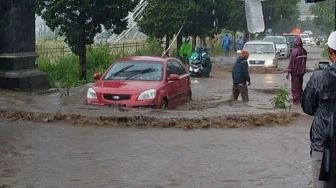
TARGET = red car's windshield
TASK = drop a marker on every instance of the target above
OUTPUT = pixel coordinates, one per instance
(135, 70)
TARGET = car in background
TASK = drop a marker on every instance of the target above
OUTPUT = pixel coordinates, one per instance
(262, 54)
(281, 44)
(307, 39)
(291, 40)
(319, 40)
(142, 81)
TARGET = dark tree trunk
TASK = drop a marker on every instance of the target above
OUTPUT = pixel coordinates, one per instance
(193, 42)
(82, 60)
(178, 43)
(167, 45)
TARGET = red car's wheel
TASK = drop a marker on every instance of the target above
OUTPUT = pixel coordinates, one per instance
(164, 104)
(189, 98)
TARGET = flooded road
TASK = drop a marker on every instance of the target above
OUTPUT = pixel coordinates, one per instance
(52, 140)
(211, 97)
(38, 155)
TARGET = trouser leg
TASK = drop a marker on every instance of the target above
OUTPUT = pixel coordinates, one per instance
(235, 92)
(226, 50)
(244, 92)
(316, 158)
(297, 82)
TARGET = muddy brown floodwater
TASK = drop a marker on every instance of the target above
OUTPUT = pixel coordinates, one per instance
(38, 155)
(52, 140)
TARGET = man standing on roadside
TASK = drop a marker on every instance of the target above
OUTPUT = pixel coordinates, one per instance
(319, 100)
(297, 69)
(185, 51)
(241, 77)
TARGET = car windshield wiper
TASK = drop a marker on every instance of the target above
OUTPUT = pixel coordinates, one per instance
(120, 71)
(142, 72)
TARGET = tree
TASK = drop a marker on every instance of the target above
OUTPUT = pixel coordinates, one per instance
(281, 15)
(325, 19)
(232, 17)
(163, 18)
(200, 18)
(80, 20)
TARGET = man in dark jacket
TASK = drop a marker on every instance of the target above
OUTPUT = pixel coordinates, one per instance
(241, 77)
(297, 69)
(319, 100)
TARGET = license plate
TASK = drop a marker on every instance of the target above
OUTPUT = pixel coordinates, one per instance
(116, 105)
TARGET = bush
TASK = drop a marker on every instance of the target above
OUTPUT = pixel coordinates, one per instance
(98, 59)
(154, 48)
(65, 71)
(281, 100)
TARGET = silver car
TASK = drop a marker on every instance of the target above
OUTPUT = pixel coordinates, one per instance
(281, 44)
(262, 54)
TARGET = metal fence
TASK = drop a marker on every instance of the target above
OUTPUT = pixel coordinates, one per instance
(124, 48)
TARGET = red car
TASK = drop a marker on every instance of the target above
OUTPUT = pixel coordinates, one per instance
(142, 81)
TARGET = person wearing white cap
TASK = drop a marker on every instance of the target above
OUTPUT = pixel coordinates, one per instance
(332, 47)
(319, 100)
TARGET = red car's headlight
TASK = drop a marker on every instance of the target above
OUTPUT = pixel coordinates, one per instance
(147, 95)
(91, 94)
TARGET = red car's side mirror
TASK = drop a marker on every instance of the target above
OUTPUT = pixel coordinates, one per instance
(97, 75)
(173, 77)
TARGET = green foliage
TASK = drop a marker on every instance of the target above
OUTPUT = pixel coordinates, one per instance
(217, 50)
(154, 48)
(99, 59)
(200, 18)
(281, 15)
(281, 100)
(231, 17)
(325, 17)
(164, 17)
(65, 71)
(80, 20)
(325, 51)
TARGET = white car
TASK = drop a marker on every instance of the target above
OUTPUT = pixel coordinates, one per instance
(281, 44)
(307, 39)
(262, 54)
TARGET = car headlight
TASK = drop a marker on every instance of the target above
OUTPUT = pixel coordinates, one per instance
(91, 94)
(269, 62)
(147, 95)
